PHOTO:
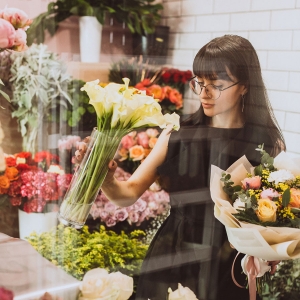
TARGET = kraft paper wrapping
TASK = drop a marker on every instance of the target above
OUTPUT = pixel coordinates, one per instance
(269, 243)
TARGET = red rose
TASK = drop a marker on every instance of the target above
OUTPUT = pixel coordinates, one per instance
(10, 161)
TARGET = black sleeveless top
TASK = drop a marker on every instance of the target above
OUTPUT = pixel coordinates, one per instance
(191, 247)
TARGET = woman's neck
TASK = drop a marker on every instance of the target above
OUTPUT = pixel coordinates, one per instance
(223, 121)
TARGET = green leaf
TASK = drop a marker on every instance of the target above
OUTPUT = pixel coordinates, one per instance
(286, 197)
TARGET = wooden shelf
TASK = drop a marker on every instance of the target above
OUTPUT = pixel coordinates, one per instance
(88, 71)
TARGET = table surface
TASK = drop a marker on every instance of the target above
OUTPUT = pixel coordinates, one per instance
(29, 275)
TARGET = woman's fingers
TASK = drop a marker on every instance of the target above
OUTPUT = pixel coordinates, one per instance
(273, 265)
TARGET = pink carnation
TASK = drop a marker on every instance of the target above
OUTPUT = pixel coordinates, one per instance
(269, 193)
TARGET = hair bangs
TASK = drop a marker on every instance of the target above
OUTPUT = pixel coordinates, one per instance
(211, 65)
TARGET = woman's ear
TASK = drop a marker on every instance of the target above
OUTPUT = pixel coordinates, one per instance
(244, 89)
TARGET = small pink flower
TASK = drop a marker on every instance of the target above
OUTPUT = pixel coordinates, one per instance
(21, 37)
(133, 217)
(17, 17)
(7, 34)
(269, 193)
(110, 222)
(15, 201)
(121, 214)
(143, 139)
(128, 141)
(251, 183)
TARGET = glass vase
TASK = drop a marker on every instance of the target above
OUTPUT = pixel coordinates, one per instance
(88, 178)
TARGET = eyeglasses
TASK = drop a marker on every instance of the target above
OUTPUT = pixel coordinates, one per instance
(212, 91)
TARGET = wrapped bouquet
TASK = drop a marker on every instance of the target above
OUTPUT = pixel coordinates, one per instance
(259, 206)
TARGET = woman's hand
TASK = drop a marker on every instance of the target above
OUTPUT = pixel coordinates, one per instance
(112, 166)
(273, 265)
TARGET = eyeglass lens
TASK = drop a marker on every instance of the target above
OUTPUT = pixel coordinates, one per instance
(211, 91)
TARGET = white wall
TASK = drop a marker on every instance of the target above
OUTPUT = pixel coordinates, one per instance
(272, 26)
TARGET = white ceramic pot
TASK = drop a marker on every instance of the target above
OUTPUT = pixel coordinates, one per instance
(38, 222)
(90, 39)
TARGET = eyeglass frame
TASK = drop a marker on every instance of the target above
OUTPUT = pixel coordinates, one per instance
(205, 86)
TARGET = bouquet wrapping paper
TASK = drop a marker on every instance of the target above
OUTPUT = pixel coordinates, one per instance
(269, 243)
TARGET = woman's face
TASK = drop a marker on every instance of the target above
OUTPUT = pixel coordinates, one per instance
(229, 105)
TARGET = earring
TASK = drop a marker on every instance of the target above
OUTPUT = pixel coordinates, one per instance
(243, 104)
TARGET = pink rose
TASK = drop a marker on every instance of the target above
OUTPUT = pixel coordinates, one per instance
(269, 193)
(7, 34)
(121, 214)
(21, 37)
(143, 139)
(128, 141)
(110, 222)
(251, 183)
(133, 217)
(17, 17)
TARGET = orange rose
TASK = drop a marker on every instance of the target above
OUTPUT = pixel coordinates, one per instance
(295, 198)
(152, 142)
(4, 184)
(123, 153)
(12, 173)
(147, 152)
(176, 98)
(137, 152)
(156, 91)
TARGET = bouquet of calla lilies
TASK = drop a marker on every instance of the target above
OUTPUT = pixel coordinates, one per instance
(120, 109)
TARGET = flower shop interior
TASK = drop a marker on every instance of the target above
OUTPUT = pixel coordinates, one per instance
(47, 126)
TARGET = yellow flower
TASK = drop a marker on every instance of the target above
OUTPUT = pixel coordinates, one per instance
(266, 210)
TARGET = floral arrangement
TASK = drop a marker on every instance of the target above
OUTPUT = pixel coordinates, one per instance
(152, 203)
(175, 78)
(32, 182)
(269, 197)
(135, 147)
(13, 25)
(120, 110)
(259, 207)
(170, 99)
(78, 251)
(99, 284)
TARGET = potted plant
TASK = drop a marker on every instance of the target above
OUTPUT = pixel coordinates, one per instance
(141, 16)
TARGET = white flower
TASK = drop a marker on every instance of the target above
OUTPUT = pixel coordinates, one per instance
(124, 283)
(182, 293)
(56, 169)
(172, 119)
(281, 176)
(284, 161)
(20, 160)
(239, 204)
(95, 285)
(98, 284)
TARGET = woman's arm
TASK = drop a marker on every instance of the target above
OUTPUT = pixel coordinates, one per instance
(125, 193)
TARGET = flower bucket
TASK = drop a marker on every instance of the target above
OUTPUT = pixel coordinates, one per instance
(88, 178)
(35, 222)
(90, 39)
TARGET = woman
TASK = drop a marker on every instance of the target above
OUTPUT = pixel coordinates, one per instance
(234, 117)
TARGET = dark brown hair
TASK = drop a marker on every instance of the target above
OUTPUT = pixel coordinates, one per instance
(238, 55)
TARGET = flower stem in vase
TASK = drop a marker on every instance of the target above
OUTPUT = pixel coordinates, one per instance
(88, 179)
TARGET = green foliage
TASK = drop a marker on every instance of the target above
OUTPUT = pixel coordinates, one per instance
(266, 161)
(39, 83)
(230, 189)
(285, 283)
(141, 16)
(77, 252)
